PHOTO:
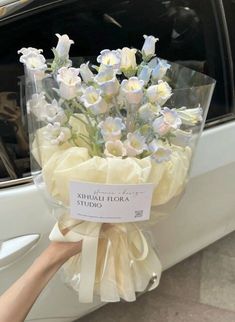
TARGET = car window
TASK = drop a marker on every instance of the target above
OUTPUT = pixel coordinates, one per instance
(193, 33)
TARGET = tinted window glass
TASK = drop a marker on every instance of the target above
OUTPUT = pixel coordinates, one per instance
(191, 32)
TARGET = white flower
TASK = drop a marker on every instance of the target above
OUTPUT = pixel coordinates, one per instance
(114, 149)
(135, 144)
(167, 122)
(145, 74)
(57, 134)
(33, 60)
(35, 64)
(107, 82)
(93, 101)
(86, 73)
(148, 49)
(133, 90)
(159, 153)
(26, 51)
(159, 93)
(128, 61)
(37, 105)
(181, 138)
(190, 116)
(69, 82)
(110, 58)
(111, 128)
(148, 111)
(159, 71)
(53, 113)
(63, 46)
(44, 111)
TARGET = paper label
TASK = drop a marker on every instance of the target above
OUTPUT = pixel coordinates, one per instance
(110, 203)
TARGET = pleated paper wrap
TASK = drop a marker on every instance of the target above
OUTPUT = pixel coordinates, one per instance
(116, 260)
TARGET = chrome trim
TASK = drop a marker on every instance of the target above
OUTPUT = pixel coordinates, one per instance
(225, 48)
(15, 182)
(31, 10)
(220, 120)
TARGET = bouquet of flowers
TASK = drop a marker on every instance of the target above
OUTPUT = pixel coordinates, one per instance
(111, 147)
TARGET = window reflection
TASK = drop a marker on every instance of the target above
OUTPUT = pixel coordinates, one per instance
(189, 33)
(9, 7)
(13, 137)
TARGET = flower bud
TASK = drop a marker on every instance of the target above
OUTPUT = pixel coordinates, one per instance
(128, 61)
(148, 49)
(86, 73)
(63, 46)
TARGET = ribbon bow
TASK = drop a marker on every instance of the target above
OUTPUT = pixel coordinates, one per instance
(116, 260)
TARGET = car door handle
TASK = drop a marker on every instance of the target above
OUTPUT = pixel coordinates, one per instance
(14, 248)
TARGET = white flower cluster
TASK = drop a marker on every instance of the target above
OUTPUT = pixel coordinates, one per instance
(117, 108)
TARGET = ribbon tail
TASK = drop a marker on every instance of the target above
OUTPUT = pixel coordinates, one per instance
(88, 233)
(146, 265)
(88, 269)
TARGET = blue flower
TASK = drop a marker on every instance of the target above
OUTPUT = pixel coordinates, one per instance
(169, 120)
(160, 70)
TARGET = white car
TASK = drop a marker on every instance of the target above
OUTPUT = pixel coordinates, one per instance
(196, 33)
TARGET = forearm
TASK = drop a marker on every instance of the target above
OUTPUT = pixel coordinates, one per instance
(17, 301)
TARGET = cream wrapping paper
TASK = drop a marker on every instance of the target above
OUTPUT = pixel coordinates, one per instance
(116, 260)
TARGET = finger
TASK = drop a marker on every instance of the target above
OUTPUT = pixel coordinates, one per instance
(5, 113)
(65, 231)
(10, 109)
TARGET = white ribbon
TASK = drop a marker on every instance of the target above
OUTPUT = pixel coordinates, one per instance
(128, 262)
(89, 237)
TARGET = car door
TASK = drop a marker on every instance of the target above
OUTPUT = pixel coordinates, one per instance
(194, 33)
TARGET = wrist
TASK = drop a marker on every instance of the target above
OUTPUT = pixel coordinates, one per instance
(49, 260)
(54, 256)
(59, 252)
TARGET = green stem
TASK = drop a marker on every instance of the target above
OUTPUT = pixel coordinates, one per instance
(82, 138)
(116, 108)
(130, 118)
(91, 129)
(78, 118)
(86, 116)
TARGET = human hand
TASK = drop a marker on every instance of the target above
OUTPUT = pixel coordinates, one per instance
(11, 114)
(60, 252)
(9, 110)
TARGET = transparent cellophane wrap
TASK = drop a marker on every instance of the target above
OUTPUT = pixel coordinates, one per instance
(117, 260)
